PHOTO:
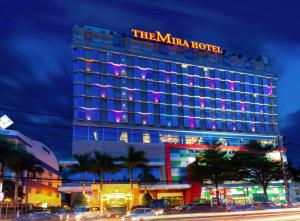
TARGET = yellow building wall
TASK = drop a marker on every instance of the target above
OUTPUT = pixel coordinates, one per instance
(38, 199)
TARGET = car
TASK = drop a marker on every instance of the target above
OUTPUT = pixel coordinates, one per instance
(116, 212)
(62, 214)
(161, 206)
(37, 216)
(265, 205)
(139, 214)
(84, 213)
(244, 207)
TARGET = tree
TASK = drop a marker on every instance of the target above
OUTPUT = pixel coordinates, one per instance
(19, 155)
(101, 164)
(147, 199)
(147, 176)
(83, 166)
(293, 171)
(5, 148)
(255, 166)
(212, 165)
(134, 159)
(9, 189)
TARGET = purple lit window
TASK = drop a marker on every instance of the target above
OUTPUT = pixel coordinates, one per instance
(102, 92)
(223, 105)
(202, 103)
(88, 115)
(168, 77)
(192, 122)
(242, 106)
(118, 116)
(232, 85)
(180, 101)
(212, 83)
(190, 81)
(156, 97)
(270, 90)
(130, 95)
(116, 68)
(213, 124)
(234, 126)
(143, 74)
(144, 118)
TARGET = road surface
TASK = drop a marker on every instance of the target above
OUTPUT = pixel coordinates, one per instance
(292, 214)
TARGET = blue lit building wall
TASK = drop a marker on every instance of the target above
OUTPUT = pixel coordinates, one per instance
(119, 92)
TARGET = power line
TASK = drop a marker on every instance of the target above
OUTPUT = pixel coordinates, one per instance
(37, 113)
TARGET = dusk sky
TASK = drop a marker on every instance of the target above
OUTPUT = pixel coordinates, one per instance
(36, 55)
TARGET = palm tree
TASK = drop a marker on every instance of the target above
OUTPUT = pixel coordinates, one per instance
(134, 159)
(103, 163)
(5, 148)
(19, 156)
(84, 166)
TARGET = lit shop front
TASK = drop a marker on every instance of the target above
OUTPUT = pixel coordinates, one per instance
(244, 194)
(179, 156)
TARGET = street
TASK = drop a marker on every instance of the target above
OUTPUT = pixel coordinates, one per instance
(270, 215)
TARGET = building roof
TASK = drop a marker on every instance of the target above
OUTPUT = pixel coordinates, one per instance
(38, 149)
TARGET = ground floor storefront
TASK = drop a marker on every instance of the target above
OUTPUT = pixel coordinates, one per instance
(244, 194)
(113, 196)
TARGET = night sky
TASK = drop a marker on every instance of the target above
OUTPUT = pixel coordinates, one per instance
(36, 55)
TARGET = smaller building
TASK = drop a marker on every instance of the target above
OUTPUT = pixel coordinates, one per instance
(42, 190)
(294, 191)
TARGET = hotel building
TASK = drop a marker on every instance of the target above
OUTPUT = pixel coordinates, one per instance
(168, 101)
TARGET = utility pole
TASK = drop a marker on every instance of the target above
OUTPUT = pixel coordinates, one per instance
(284, 170)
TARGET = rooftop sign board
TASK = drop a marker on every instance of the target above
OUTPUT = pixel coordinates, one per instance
(169, 39)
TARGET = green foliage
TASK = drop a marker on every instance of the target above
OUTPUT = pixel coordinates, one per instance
(252, 165)
(134, 159)
(84, 164)
(211, 166)
(293, 171)
(147, 199)
(80, 200)
(147, 176)
(8, 189)
(102, 163)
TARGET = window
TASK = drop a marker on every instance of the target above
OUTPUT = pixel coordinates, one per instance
(146, 138)
(193, 140)
(223, 141)
(124, 137)
(168, 138)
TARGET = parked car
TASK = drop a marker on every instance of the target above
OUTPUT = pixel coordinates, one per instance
(84, 213)
(161, 206)
(116, 212)
(236, 208)
(265, 205)
(139, 214)
(62, 214)
(37, 216)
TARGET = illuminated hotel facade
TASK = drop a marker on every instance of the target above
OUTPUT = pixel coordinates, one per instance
(167, 100)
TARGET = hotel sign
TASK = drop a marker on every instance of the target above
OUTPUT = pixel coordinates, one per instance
(169, 39)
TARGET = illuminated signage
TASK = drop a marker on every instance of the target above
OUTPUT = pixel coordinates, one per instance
(168, 39)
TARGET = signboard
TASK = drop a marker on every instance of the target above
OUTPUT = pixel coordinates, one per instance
(169, 39)
(5, 122)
